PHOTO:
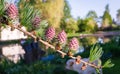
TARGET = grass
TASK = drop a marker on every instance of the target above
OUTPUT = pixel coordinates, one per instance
(115, 69)
(76, 34)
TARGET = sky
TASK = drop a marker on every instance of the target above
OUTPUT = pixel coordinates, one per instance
(80, 8)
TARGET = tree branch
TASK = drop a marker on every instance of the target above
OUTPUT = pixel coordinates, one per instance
(51, 46)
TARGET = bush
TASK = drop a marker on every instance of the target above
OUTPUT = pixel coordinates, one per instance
(112, 47)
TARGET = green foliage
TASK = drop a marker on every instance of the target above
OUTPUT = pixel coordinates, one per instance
(66, 16)
(115, 69)
(71, 25)
(38, 67)
(108, 64)
(5, 64)
(118, 17)
(2, 7)
(52, 10)
(73, 35)
(27, 13)
(41, 30)
(107, 16)
(87, 25)
(7, 67)
(107, 8)
(112, 47)
(67, 9)
(91, 14)
(118, 12)
(95, 53)
(88, 41)
(60, 70)
(107, 19)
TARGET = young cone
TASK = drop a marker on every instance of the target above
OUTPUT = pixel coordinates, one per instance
(12, 11)
(74, 44)
(36, 21)
(50, 33)
(62, 37)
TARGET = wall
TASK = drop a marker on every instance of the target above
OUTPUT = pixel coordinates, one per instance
(7, 34)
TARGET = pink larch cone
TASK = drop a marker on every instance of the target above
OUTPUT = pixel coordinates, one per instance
(12, 11)
(74, 44)
(50, 33)
(36, 21)
(62, 37)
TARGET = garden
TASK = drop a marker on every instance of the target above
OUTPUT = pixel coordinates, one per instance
(53, 44)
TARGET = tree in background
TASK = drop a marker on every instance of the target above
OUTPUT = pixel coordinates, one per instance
(68, 23)
(66, 16)
(118, 17)
(67, 10)
(92, 18)
(106, 19)
(71, 25)
(92, 14)
(52, 10)
(89, 23)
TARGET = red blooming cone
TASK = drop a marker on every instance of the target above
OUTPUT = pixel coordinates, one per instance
(50, 33)
(12, 11)
(62, 37)
(74, 44)
(36, 21)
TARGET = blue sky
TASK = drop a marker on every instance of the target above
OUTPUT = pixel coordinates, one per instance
(82, 7)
